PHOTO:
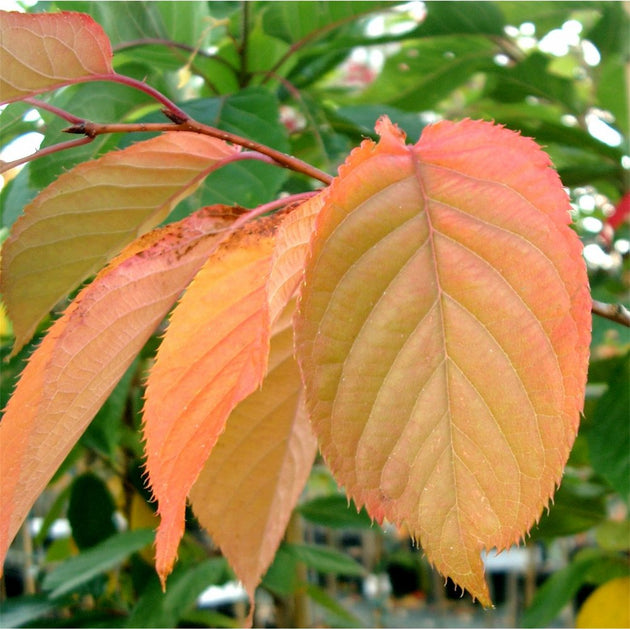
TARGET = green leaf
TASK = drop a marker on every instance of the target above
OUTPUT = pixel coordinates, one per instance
(157, 609)
(281, 577)
(590, 566)
(425, 71)
(577, 506)
(18, 611)
(610, 97)
(531, 77)
(122, 22)
(293, 21)
(341, 618)
(335, 511)
(103, 433)
(609, 431)
(15, 195)
(614, 535)
(469, 18)
(105, 556)
(91, 511)
(325, 559)
(364, 117)
(610, 33)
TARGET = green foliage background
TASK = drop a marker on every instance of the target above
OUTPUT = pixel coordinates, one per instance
(293, 75)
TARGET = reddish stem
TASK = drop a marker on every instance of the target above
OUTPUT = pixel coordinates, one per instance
(94, 129)
(7, 166)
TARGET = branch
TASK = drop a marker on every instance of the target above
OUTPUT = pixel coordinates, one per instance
(62, 113)
(187, 124)
(615, 312)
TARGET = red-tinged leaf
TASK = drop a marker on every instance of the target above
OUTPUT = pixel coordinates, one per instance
(443, 337)
(71, 229)
(213, 355)
(86, 352)
(262, 461)
(289, 256)
(44, 51)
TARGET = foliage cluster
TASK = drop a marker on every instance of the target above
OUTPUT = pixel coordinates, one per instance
(299, 85)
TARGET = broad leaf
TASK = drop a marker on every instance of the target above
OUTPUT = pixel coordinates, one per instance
(290, 251)
(213, 355)
(87, 351)
(71, 229)
(263, 460)
(425, 71)
(39, 52)
(443, 337)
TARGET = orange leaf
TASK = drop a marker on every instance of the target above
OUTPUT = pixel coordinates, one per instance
(262, 461)
(290, 252)
(72, 228)
(443, 336)
(44, 51)
(86, 352)
(213, 355)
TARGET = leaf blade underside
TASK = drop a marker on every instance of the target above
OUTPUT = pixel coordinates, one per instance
(86, 352)
(44, 51)
(263, 460)
(443, 334)
(214, 354)
(73, 227)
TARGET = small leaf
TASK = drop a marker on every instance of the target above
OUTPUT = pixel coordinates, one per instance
(443, 336)
(326, 559)
(87, 351)
(91, 511)
(609, 433)
(73, 227)
(335, 511)
(158, 609)
(213, 355)
(263, 460)
(43, 51)
(105, 556)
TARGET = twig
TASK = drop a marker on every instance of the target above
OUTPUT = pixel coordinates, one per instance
(61, 146)
(615, 312)
(62, 113)
(187, 124)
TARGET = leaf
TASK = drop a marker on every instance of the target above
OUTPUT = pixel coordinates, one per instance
(105, 556)
(335, 511)
(44, 51)
(443, 335)
(263, 460)
(607, 606)
(290, 251)
(156, 609)
(609, 433)
(87, 351)
(91, 511)
(86, 216)
(425, 71)
(214, 354)
(326, 559)
(562, 586)
(15, 612)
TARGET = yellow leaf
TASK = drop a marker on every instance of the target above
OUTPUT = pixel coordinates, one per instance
(608, 606)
